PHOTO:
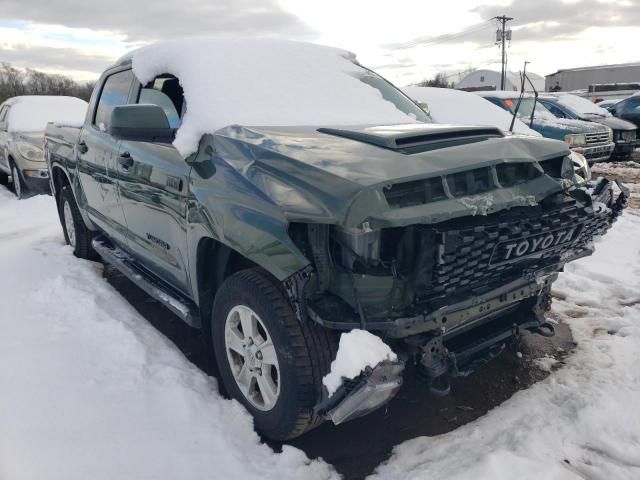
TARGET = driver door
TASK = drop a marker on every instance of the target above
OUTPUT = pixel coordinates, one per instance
(153, 184)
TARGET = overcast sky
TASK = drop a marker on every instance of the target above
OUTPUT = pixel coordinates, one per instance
(405, 40)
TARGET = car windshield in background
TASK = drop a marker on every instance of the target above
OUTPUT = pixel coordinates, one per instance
(393, 95)
(526, 107)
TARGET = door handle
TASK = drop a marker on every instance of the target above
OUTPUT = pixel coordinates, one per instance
(82, 147)
(125, 160)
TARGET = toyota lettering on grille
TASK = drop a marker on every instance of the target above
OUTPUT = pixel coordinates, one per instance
(533, 245)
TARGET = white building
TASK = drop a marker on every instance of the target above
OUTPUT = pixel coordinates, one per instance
(581, 78)
(490, 80)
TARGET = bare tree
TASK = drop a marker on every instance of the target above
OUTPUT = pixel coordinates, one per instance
(14, 82)
(440, 80)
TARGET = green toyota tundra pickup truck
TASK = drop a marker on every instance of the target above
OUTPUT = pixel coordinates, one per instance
(359, 213)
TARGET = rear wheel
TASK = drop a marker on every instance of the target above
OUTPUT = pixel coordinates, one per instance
(4, 178)
(76, 233)
(267, 359)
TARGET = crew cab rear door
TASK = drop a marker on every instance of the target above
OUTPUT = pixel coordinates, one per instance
(153, 184)
(97, 151)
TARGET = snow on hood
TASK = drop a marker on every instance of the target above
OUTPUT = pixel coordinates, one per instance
(31, 113)
(451, 106)
(264, 82)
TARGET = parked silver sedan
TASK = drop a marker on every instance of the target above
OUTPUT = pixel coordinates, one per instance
(22, 123)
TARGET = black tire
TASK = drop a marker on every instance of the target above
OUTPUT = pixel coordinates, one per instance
(19, 187)
(81, 241)
(304, 353)
(4, 178)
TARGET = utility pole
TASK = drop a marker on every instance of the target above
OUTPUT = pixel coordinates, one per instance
(502, 35)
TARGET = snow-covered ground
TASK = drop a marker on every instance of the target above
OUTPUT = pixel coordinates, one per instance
(88, 389)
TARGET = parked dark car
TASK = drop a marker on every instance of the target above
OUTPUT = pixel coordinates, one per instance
(565, 105)
(628, 109)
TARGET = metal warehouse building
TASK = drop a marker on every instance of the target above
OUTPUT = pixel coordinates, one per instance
(581, 78)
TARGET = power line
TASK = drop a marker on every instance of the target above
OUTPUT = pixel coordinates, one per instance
(425, 41)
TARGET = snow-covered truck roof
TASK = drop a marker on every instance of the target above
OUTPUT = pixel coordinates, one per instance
(267, 82)
(31, 113)
(458, 107)
(578, 104)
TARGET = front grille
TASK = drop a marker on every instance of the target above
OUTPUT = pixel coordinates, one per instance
(597, 138)
(465, 263)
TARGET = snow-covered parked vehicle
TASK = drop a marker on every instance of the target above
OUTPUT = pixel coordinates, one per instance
(457, 107)
(276, 214)
(592, 140)
(565, 105)
(22, 123)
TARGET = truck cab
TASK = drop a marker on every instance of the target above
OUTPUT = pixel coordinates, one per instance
(592, 140)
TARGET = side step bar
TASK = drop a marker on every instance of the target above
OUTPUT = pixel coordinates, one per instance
(178, 304)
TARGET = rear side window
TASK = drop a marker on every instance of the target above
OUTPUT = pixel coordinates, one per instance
(166, 92)
(3, 113)
(114, 92)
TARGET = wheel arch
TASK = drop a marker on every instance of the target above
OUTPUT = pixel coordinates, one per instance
(61, 178)
(215, 262)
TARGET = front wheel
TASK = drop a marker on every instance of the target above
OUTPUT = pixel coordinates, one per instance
(19, 187)
(267, 359)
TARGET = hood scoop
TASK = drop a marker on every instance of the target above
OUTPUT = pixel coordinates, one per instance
(410, 138)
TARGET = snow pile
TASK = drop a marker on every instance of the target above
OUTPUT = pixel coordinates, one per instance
(358, 349)
(545, 363)
(581, 105)
(447, 105)
(90, 390)
(264, 82)
(31, 113)
(581, 422)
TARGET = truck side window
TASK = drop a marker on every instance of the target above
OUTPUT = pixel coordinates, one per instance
(3, 113)
(114, 92)
(166, 92)
(555, 110)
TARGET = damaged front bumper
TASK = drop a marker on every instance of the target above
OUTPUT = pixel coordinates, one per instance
(355, 398)
(461, 336)
(485, 265)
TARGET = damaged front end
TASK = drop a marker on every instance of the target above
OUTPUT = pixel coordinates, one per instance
(447, 296)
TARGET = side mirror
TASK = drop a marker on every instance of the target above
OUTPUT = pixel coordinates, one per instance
(612, 110)
(140, 123)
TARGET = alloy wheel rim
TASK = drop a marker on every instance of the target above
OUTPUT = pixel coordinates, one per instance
(252, 357)
(16, 182)
(68, 224)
